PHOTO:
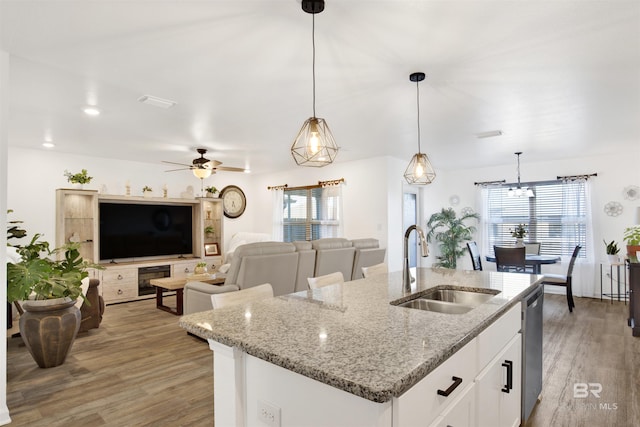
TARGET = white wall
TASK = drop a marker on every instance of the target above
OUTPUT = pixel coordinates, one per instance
(4, 105)
(615, 172)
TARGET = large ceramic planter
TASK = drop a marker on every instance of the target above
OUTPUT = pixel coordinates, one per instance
(632, 249)
(49, 328)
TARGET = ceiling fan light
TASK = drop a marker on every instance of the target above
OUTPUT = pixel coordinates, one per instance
(314, 145)
(202, 173)
(419, 171)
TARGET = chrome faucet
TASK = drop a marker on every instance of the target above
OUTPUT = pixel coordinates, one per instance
(407, 278)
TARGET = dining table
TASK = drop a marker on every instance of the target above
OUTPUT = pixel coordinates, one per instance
(533, 261)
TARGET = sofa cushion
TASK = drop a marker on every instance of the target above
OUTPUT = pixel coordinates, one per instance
(331, 243)
(257, 248)
(197, 296)
(365, 243)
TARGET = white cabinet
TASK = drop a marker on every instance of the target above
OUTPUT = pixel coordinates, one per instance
(461, 412)
(119, 284)
(499, 388)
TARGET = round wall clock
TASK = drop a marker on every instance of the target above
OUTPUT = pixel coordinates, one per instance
(234, 201)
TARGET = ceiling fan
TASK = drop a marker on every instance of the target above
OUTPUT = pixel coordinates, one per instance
(203, 167)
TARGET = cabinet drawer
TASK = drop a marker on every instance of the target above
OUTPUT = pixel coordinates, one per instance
(115, 292)
(114, 276)
(421, 404)
(184, 268)
(498, 334)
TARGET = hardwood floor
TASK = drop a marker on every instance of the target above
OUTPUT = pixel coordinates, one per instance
(139, 368)
(592, 345)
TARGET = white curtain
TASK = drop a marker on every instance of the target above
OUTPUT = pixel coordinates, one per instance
(278, 214)
(332, 215)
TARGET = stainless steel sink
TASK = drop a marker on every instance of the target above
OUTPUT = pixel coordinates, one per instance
(449, 301)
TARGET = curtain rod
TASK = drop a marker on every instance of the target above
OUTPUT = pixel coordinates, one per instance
(486, 183)
(278, 187)
(331, 182)
(576, 177)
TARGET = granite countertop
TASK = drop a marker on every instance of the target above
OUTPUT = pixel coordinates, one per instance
(350, 336)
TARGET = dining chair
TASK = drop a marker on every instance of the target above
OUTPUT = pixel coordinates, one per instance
(243, 295)
(475, 255)
(326, 280)
(532, 248)
(375, 269)
(510, 259)
(564, 280)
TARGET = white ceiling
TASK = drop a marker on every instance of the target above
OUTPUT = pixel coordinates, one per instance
(559, 78)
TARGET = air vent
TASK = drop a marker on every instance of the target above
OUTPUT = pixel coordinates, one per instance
(156, 102)
(488, 134)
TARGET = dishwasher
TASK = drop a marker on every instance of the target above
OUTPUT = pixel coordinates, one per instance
(531, 350)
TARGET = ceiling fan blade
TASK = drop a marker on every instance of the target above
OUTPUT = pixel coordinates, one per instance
(214, 163)
(181, 169)
(229, 169)
(174, 163)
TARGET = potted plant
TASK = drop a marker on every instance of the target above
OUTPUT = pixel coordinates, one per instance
(612, 251)
(147, 191)
(48, 288)
(451, 232)
(519, 232)
(209, 230)
(632, 238)
(201, 268)
(78, 179)
(211, 191)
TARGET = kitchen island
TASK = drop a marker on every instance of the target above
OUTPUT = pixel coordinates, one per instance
(349, 355)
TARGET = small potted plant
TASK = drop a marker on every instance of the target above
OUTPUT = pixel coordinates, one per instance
(211, 191)
(209, 230)
(632, 238)
(147, 191)
(201, 268)
(78, 179)
(612, 251)
(519, 233)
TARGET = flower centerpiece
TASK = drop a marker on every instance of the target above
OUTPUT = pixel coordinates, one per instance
(519, 232)
(79, 178)
(201, 268)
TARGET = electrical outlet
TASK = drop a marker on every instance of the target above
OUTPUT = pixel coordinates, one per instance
(268, 414)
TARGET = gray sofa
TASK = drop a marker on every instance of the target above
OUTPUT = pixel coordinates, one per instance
(286, 266)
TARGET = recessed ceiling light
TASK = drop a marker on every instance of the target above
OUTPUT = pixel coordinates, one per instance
(91, 111)
(489, 134)
(156, 102)
(48, 144)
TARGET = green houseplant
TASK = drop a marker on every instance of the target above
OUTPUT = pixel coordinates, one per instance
(81, 177)
(519, 232)
(632, 238)
(451, 232)
(612, 251)
(211, 191)
(48, 286)
(209, 230)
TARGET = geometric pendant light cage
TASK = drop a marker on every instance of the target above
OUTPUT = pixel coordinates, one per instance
(419, 171)
(314, 145)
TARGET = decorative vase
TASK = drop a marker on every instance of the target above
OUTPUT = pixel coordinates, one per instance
(200, 269)
(77, 186)
(519, 242)
(49, 328)
(146, 194)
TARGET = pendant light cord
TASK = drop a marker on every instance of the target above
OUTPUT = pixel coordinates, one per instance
(518, 154)
(418, 108)
(313, 72)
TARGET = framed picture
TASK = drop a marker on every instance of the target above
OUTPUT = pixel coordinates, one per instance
(211, 249)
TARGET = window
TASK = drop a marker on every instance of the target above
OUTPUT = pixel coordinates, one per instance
(556, 216)
(311, 213)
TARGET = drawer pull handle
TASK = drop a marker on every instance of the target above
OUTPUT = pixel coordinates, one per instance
(120, 292)
(186, 269)
(119, 276)
(456, 382)
(509, 365)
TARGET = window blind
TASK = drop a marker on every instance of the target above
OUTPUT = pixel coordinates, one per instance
(311, 213)
(556, 217)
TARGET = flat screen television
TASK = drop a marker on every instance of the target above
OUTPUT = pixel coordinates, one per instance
(131, 230)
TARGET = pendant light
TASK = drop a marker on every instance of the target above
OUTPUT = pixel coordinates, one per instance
(419, 170)
(519, 191)
(314, 145)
